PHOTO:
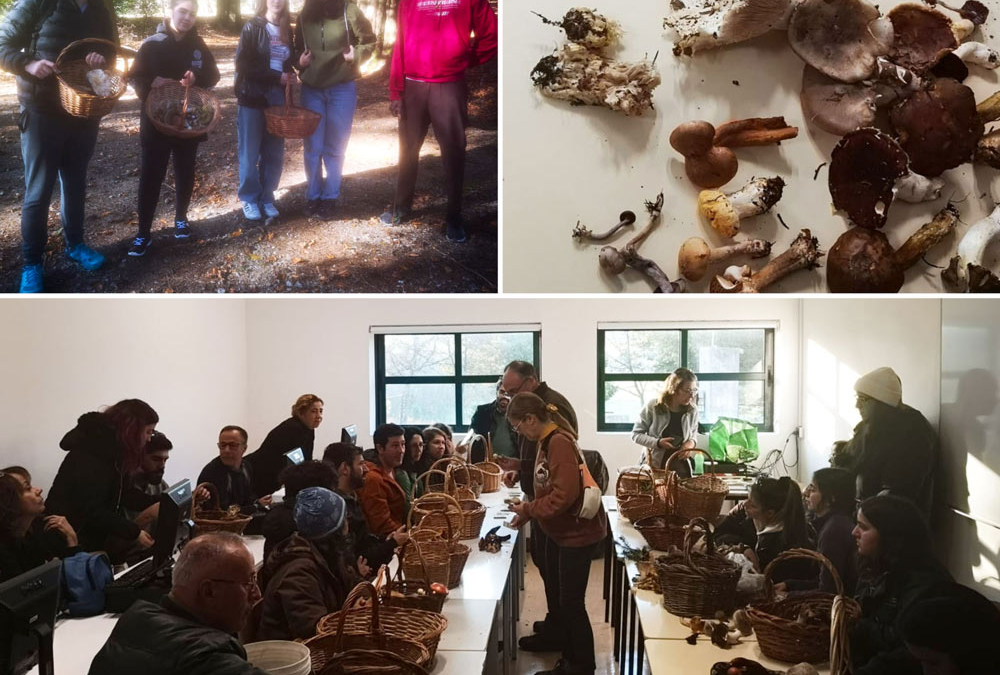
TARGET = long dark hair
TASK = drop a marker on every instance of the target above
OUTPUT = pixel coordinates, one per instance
(408, 464)
(783, 496)
(838, 488)
(129, 417)
(11, 490)
(904, 540)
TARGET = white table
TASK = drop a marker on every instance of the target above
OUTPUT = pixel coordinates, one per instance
(470, 623)
(458, 663)
(670, 657)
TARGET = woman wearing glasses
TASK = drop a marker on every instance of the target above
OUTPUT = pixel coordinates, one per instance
(669, 422)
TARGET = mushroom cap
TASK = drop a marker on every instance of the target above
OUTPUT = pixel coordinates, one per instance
(922, 36)
(717, 208)
(864, 168)
(693, 258)
(840, 38)
(938, 127)
(693, 138)
(974, 11)
(731, 280)
(836, 107)
(951, 66)
(611, 259)
(713, 169)
(862, 261)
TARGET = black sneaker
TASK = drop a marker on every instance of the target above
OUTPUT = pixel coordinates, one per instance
(560, 669)
(327, 208)
(182, 229)
(538, 627)
(313, 207)
(139, 246)
(395, 217)
(539, 643)
(456, 230)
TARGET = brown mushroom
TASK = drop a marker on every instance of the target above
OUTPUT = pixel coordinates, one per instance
(864, 168)
(863, 261)
(836, 107)
(840, 38)
(938, 126)
(922, 36)
(706, 166)
(988, 150)
(696, 255)
(803, 253)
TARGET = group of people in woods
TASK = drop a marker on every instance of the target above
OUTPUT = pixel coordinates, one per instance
(435, 44)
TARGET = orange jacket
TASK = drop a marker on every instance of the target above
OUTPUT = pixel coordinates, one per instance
(382, 500)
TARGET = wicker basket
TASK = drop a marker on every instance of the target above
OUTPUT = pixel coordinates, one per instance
(457, 552)
(492, 472)
(697, 584)
(215, 519)
(426, 558)
(173, 93)
(776, 622)
(437, 511)
(411, 593)
(373, 661)
(701, 496)
(645, 481)
(637, 507)
(290, 121)
(76, 95)
(368, 633)
(662, 532)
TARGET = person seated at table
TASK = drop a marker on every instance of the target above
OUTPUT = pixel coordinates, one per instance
(407, 473)
(571, 538)
(352, 473)
(29, 538)
(92, 487)
(149, 479)
(490, 420)
(830, 501)
(952, 630)
(230, 475)
(298, 431)
(382, 498)
(669, 422)
(449, 437)
(279, 523)
(308, 575)
(435, 448)
(896, 566)
(193, 629)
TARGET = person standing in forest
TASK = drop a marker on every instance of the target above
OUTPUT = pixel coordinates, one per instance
(427, 88)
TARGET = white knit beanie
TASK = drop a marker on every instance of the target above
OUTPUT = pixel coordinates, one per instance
(881, 384)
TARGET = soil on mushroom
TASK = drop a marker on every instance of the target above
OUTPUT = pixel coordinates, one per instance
(351, 253)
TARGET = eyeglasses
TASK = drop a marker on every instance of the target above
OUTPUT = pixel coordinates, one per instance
(511, 393)
(223, 446)
(248, 586)
(690, 390)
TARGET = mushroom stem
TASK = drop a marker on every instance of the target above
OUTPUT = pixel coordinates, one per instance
(654, 209)
(582, 233)
(696, 255)
(929, 235)
(988, 150)
(802, 254)
(989, 110)
(653, 271)
(755, 248)
(915, 188)
(754, 131)
(725, 211)
(971, 251)
(978, 54)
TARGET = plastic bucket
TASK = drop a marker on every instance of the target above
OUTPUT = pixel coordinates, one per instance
(280, 657)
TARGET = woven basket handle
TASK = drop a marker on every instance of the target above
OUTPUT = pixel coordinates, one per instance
(644, 469)
(690, 538)
(288, 96)
(425, 479)
(213, 497)
(453, 470)
(380, 580)
(357, 594)
(93, 43)
(489, 447)
(799, 554)
(710, 458)
(420, 557)
(340, 662)
(184, 107)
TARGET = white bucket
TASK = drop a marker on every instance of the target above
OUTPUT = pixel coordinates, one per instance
(280, 657)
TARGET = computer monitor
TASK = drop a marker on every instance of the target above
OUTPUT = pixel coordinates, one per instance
(295, 456)
(173, 524)
(349, 434)
(28, 607)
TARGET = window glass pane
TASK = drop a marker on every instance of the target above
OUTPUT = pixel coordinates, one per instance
(408, 355)
(726, 351)
(488, 353)
(421, 404)
(474, 395)
(624, 400)
(642, 351)
(744, 400)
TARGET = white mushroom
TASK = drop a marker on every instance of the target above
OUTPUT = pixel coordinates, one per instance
(707, 24)
(915, 188)
(966, 272)
(725, 211)
(978, 54)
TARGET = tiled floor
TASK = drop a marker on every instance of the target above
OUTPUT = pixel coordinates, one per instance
(533, 609)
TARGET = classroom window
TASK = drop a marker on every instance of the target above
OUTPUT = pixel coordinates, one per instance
(734, 368)
(423, 378)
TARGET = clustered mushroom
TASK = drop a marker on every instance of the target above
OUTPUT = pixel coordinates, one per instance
(725, 212)
(967, 272)
(709, 161)
(615, 261)
(580, 72)
(803, 253)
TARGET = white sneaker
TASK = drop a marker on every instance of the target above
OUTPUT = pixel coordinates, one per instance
(270, 211)
(251, 211)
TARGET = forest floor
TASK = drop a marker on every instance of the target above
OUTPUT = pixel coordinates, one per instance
(351, 252)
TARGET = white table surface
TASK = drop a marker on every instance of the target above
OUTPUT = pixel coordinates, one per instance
(469, 624)
(458, 663)
(676, 657)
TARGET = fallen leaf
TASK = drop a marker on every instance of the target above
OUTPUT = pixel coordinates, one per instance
(238, 233)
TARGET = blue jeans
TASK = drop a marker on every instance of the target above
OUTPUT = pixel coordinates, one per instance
(53, 147)
(329, 142)
(262, 156)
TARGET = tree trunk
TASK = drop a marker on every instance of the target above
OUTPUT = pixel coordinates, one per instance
(229, 12)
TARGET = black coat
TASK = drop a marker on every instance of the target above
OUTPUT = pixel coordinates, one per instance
(91, 489)
(41, 29)
(278, 525)
(484, 422)
(254, 77)
(37, 547)
(269, 459)
(233, 485)
(165, 639)
(835, 541)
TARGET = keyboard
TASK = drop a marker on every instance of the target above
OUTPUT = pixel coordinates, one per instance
(145, 581)
(139, 575)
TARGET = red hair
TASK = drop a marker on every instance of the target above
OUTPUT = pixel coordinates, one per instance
(129, 417)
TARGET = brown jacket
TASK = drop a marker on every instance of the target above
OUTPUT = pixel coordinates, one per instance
(383, 501)
(301, 589)
(558, 494)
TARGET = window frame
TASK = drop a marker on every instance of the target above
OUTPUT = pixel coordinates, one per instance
(766, 376)
(459, 380)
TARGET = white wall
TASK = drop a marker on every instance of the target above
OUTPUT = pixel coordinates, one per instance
(324, 346)
(60, 358)
(843, 339)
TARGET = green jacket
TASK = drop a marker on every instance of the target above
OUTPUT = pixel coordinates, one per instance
(327, 39)
(406, 480)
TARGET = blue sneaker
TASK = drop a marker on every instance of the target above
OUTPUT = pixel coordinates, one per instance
(182, 229)
(31, 279)
(139, 247)
(88, 258)
(251, 211)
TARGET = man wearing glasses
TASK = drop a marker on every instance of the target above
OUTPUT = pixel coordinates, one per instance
(193, 630)
(894, 449)
(230, 475)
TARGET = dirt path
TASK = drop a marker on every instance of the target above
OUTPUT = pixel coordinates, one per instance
(352, 252)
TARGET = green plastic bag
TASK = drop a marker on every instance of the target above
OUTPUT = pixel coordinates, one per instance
(733, 440)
